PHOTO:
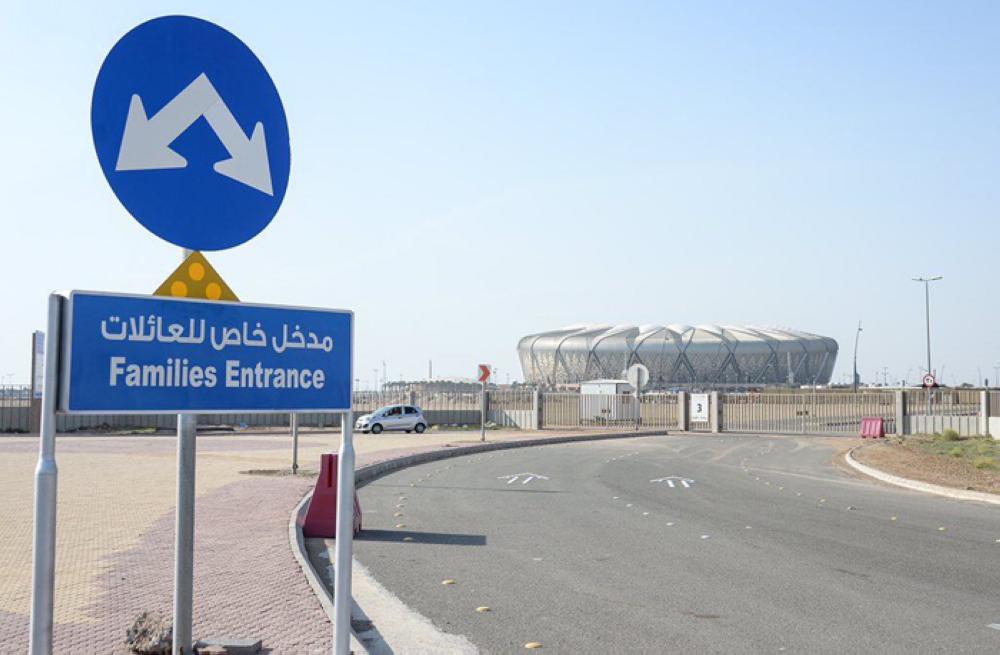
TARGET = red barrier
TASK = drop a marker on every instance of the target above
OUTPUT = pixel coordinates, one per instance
(321, 517)
(872, 426)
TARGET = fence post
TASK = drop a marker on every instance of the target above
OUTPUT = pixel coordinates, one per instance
(984, 412)
(536, 409)
(802, 411)
(715, 416)
(484, 408)
(682, 411)
(900, 412)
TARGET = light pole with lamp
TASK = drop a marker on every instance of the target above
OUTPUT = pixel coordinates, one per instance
(927, 315)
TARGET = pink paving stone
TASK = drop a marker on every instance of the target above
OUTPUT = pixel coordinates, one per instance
(247, 582)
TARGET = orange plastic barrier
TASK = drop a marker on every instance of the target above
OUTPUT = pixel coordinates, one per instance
(872, 426)
(321, 517)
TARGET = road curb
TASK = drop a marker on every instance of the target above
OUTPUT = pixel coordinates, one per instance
(372, 472)
(298, 544)
(916, 485)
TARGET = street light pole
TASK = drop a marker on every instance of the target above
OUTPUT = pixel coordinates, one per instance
(854, 380)
(927, 315)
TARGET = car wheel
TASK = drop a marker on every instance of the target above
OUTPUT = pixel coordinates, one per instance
(419, 427)
(377, 429)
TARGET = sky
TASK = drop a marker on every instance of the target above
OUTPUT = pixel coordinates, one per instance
(464, 174)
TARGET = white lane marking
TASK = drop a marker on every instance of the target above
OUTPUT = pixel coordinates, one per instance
(528, 477)
(671, 481)
(995, 626)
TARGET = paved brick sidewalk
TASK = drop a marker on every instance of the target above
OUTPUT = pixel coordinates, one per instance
(115, 538)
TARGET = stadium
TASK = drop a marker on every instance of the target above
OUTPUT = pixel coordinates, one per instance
(678, 355)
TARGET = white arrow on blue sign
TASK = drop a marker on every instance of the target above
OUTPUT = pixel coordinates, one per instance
(146, 354)
(191, 133)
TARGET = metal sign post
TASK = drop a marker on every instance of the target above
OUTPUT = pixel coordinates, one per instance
(484, 376)
(187, 449)
(637, 375)
(293, 421)
(46, 482)
(342, 599)
(482, 412)
(187, 426)
(929, 383)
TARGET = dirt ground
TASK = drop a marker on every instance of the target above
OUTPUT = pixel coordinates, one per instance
(897, 458)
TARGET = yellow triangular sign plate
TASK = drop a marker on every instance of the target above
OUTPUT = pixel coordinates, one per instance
(196, 278)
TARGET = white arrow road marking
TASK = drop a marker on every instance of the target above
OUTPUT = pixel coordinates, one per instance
(671, 481)
(528, 477)
(995, 626)
(146, 141)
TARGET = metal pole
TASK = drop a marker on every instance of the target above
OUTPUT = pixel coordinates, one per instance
(854, 380)
(482, 413)
(927, 315)
(184, 534)
(187, 428)
(43, 571)
(294, 421)
(638, 403)
(342, 600)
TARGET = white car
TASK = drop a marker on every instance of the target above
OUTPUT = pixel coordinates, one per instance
(393, 417)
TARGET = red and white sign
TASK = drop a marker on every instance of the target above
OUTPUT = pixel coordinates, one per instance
(930, 381)
(484, 372)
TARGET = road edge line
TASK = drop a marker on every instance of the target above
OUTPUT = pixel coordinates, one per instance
(374, 471)
(916, 485)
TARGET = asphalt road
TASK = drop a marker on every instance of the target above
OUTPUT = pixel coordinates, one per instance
(771, 548)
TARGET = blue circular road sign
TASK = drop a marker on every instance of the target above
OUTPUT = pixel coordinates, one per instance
(191, 134)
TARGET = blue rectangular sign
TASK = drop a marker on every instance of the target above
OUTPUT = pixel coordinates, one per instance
(145, 354)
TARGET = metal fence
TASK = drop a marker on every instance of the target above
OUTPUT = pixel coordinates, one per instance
(659, 410)
(15, 408)
(826, 412)
(806, 413)
(440, 408)
(512, 409)
(573, 410)
(943, 402)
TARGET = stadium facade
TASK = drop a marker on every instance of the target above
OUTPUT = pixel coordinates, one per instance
(678, 355)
